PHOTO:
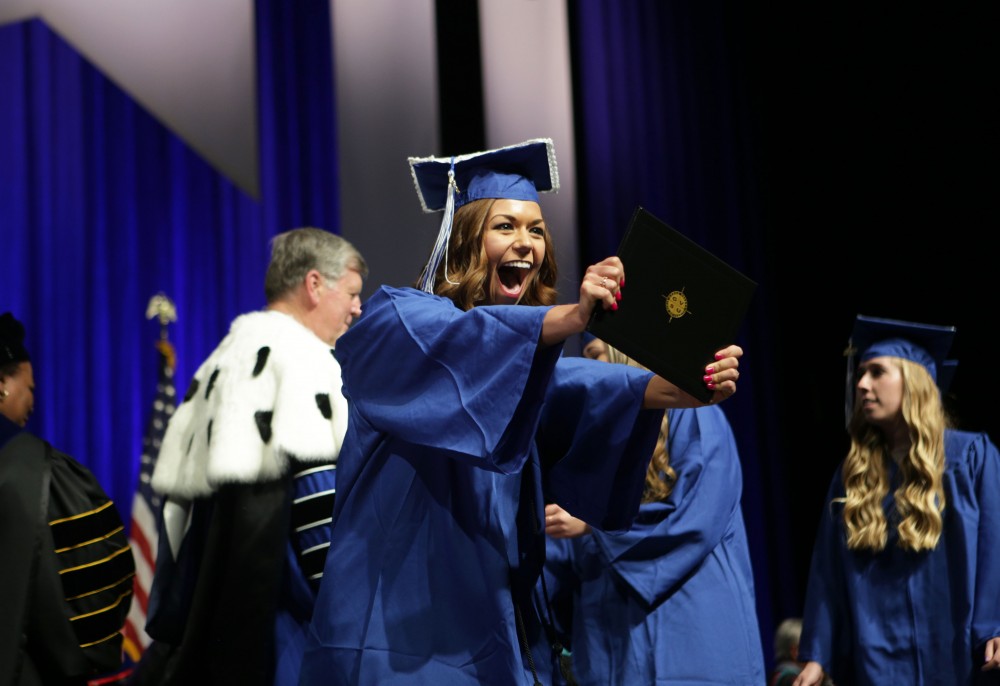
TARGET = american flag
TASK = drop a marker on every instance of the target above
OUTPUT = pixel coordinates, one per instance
(146, 505)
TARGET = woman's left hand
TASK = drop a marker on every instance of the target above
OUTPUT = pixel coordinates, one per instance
(992, 654)
(561, 524)
(720, 376)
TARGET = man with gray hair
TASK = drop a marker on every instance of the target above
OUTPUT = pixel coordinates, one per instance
(315, 277)
(247, 473)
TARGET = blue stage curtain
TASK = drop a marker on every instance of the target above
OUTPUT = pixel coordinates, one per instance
(664, 120)
(102, 207)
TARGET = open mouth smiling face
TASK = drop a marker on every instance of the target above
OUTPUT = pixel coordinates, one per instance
(514, 241)
(512, 278)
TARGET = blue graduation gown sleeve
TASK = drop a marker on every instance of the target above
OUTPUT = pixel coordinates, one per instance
(446, 396)
(982, 475)
(589, 404)
(696, 516)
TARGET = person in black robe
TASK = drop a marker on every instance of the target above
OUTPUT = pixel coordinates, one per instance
(66, 579)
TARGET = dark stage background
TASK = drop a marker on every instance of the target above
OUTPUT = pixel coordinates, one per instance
(877, 138)
(840, 156)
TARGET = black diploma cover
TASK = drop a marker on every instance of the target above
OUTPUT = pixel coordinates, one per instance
(679, 306)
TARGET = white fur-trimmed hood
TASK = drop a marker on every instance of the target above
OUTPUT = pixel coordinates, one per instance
(270, 389)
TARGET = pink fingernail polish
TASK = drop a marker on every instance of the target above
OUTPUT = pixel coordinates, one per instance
(614, 306)
(711, 386)
(709, 370)
(621, 284)
(618, 295)
(718, 356)
(707, 378)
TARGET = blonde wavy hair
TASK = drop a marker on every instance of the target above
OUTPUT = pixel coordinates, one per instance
(469, 268)
(660, 476)
(919, 499)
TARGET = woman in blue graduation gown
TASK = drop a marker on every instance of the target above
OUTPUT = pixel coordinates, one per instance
(437, 535)
(671, 600)
(904, 586)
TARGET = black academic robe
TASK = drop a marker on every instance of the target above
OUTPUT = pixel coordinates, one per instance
(214, 606)
(66, 580)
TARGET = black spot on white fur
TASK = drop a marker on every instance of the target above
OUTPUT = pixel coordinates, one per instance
(262, 356)
(323, 403)
(211, 383)
(192, 389)
(263, 420)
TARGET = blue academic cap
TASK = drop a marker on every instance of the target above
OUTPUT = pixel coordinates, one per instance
(925, 344)
(515, 172)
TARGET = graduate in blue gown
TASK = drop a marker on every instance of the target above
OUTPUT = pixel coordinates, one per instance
(904, 586)
(437, 528)
(672, 600)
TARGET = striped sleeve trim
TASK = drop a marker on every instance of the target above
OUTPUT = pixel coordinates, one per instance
(87, 527)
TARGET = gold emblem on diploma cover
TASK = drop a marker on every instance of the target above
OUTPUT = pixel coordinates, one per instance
(677, 304)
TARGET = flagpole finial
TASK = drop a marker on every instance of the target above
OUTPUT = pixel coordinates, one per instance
(162, 307)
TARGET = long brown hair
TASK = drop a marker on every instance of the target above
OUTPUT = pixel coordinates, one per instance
(919, 498)
(468, 269)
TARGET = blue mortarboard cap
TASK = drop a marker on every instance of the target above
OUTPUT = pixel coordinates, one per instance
(925, 344)
(516, 172)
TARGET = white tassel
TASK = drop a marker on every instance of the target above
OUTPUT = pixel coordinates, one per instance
(444, 236)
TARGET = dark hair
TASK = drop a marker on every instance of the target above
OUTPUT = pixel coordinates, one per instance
(469, 268)
(12, 350)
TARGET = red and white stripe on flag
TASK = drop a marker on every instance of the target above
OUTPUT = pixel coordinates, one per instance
(146, 507)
